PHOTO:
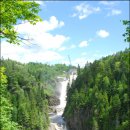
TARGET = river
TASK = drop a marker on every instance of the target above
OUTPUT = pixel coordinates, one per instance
(57, 121)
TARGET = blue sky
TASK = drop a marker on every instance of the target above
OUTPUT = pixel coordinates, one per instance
(84, 30)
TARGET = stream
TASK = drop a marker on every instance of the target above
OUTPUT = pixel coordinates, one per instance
(57, 121)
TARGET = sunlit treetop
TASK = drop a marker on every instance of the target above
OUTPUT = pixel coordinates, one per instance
(14, 11)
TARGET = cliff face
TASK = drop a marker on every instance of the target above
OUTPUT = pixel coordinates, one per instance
(53, 100)
(99, 99)
(79, 120)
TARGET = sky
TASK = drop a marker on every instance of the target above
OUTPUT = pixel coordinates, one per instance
(82, 30)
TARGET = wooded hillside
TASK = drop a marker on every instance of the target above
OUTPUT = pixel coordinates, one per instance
(27, 88)
(99, 98)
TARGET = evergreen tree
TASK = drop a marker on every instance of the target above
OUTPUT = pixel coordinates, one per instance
(98, 98)
(6, 122)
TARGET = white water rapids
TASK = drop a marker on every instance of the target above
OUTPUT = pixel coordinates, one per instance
(57, 121)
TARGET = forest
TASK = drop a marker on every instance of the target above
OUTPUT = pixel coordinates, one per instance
(99, 98)
(25, 92)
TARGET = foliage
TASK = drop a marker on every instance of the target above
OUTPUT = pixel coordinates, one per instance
(98, 99)
(127, 33)
(6, 122)
(28, 86)
(14, 11)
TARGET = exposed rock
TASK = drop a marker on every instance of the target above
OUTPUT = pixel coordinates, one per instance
(80, 120)
(53, 100)
(53, 126)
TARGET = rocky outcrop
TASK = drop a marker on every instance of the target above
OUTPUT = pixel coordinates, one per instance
(80, 120)
(53, 100)
(53, 126)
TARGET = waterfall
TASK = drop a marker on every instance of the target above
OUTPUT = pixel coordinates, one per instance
(57, 121)
(62, 98)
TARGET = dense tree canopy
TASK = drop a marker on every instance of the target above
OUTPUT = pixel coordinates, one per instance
(5, 105)
(15, 11)
(99, 98)
(28, 87)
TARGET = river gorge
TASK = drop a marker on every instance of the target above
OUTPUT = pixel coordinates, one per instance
(56, 118)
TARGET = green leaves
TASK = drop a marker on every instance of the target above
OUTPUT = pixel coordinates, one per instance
(127, 33)
(28, 87)
(6, 122)
(98, 98)
(15, 11)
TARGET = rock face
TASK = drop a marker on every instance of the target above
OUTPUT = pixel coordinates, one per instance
(79, 120)
(53, 100)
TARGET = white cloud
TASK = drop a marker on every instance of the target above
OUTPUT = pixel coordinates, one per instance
(72, 46)
(108, 3)
(40, 33)
(43, 42)
(67, 48)
(81, 61)
(85, 57)
(43, 56)
(62, 48)
(84, 10)
(49, 41)
(83, 54)
(75, 62)
(25, 55)
(102, 33)
(40, 2)
(111, 7)
(61, 23)
(114, 12)
(83, 44)
(12, 51)
(40, 27)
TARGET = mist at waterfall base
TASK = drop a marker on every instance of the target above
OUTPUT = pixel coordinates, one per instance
(56, 118)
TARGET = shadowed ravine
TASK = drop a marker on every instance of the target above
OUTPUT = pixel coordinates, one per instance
(57, 121)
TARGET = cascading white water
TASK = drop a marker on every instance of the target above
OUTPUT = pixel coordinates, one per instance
(57, 119)
(62, 98)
